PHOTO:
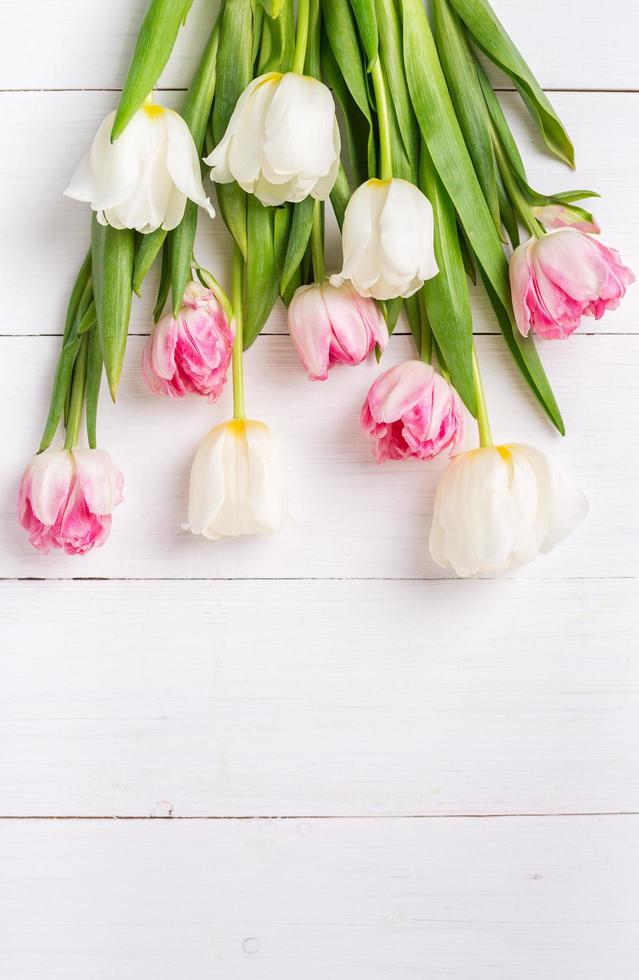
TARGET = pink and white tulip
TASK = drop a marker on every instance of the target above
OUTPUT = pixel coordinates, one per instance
(65, 499)
(557, 279)
(553, 216)
(334, 325)
(191, 353)
(411, 411)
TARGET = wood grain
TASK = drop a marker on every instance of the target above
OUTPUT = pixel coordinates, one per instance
(318, 698)
(46, 235)
(349, 900)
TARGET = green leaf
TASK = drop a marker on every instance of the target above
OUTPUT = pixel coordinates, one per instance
(196, 108)
(445, 142)
(298, 240)
(392, 56)
(261, 269)
(358, 128)
(489, 35)
(391, 308)
(500, 122)
(277, 41)
(234, 72)
(272, 8)
(146, 252)
(181, 253)
(446, 295)
(459, 68)
(366, 18)
(164, 283)
(154, 45)
(340, 195)
(92, 389)
(411, 305)
(342, 36)
(113, 255)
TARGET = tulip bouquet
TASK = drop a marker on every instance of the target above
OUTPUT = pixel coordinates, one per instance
(369, 106)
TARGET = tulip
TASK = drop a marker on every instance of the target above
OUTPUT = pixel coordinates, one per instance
(142, 180)
(388, 240)
(554, 216)
(190, 353)
(65, 499)
(238, 482)
(557, 279)
(333, 325)
(411, 411)
(282, 142)
(499, 506)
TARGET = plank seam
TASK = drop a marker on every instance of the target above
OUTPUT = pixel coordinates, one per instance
(324, 816)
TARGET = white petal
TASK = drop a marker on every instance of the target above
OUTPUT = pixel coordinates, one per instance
(183, 163)
(50, 476)
(299, 128)
(207, 488)
(99, 478)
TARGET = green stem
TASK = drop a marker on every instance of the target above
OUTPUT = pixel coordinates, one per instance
(383, 121)
(485, 437)
(426, 344)
(514, 191)
(77, 395)
(301, 36)
(238, 343)
(208, 279)
(317, 244)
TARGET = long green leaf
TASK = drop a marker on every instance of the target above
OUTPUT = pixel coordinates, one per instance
(358, 128)
(340, 195)
(277, 42)
(366, 18)
(261, 268)
(298, 239)
(489, 35)
(392, 55)
(113, 255)
(458, 64)
(446, 295)
(154, 45)
(92, 389)
(342, 37)
(447, 148)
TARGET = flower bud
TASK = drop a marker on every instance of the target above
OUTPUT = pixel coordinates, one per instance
(557, 279)
(191, 353)
(334, 325)
(282, 142)
(553, 216)
(65, 499)
(499, 506)
(238, 482)
(142, 180)
(388, 240)
(411, 411)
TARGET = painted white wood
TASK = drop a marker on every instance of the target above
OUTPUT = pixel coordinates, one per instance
(348, 516)
(349, 900)
(318, 698)
(46, 235)
(89, 45)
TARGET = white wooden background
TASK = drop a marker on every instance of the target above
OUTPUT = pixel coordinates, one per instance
(315, 755)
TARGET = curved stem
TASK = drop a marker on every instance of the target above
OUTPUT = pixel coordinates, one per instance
(383, 121)
(317, 244)
(77, 395)
(514, 191)
(238, 342)
(483, 424)
(301, 37)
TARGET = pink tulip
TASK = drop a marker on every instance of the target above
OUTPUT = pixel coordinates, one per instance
(553, 216)
(557, 279)
(190, 354)
(411, 411)
(334, 324)
(65, 499)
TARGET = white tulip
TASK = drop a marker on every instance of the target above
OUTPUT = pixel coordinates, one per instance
(387, 240)
(143, 179)
(499, 506)
(238, 482)
(282, 142)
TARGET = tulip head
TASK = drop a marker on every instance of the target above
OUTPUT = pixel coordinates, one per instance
(190, 353)
(65, 499)
(334, 325)
(412, 412)
(388, 240)
(557, 279)
(238, 482)
(499, 506)
(553, 216)
(282, 142)
(143, 179)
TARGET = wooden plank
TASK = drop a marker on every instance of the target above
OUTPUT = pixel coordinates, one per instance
(318, 698)
(89, 45)
(45, 235)
(350, 900)
(348, 516)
